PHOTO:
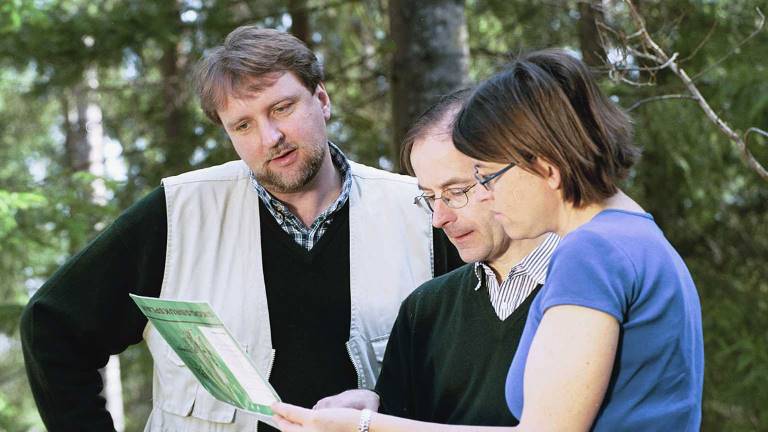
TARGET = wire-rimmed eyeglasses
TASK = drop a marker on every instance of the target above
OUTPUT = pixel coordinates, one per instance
(454, 198)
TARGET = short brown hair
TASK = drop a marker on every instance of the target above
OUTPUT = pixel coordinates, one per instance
(546, 105)
(427, 120)
(248, 55)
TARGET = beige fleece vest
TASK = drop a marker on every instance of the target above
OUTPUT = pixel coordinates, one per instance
(214, 254)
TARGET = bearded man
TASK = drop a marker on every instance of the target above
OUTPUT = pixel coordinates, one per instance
(304, 254)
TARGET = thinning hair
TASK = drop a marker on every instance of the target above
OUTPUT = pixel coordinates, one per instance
(250, 59)
(428, 120)
(547, 105)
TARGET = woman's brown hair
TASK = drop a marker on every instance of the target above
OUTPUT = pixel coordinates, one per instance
(546, 105)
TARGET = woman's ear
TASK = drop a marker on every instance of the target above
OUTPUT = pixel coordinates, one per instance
(548, 172)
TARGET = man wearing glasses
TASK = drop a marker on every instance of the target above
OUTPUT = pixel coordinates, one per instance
(455, 336)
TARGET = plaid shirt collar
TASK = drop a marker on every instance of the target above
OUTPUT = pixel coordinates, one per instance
(534, 265)
(308, 236)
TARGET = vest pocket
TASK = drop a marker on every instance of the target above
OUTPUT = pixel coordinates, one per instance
(177, 384)
(379, 346)
(183, 395)
(367, 356)
(208, 408)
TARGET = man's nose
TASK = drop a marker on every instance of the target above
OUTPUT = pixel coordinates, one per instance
(442, 214)
(271, 135)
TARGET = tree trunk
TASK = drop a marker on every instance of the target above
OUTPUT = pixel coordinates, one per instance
(177, 140)
(298, 9)
(113, 392)
(76, 147)
(431, 59)
(84, 147)
(173, 119)
(592, 51)
(94, 134)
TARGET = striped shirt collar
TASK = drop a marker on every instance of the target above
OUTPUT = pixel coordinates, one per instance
(290, 223)
(534, 265)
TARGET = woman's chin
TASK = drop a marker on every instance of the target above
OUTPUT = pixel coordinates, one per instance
(511, 230)
(516, 231)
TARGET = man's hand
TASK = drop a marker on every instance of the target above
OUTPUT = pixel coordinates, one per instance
(358, 399)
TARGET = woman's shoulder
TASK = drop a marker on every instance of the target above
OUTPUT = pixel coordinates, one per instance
(612, 230)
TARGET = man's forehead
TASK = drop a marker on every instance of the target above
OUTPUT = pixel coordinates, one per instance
(268, 88)
(438, 144)
(254, 87)
(434, 156)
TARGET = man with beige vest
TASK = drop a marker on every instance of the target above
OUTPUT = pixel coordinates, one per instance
(304, 254)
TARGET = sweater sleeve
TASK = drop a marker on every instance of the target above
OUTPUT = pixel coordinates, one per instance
(83, 314)
(396, 380)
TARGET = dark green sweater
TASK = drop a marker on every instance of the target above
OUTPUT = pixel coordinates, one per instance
(449, 353)
(83, 314)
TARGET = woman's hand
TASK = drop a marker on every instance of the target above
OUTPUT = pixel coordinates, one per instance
(291, 418)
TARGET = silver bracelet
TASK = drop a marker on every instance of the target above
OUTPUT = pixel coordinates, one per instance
(365, 421)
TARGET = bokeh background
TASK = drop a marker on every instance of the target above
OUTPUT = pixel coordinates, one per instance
(96, 106)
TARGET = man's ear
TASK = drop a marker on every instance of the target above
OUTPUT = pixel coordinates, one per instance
(325, 100)
(548, 172)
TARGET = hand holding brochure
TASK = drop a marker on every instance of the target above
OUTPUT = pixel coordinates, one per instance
(204, 344)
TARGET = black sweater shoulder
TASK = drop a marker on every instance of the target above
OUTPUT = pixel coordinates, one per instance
(446, 285)
(83, 314)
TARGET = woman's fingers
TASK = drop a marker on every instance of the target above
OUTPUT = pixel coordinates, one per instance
(291, 418)
(291, 413)
(285, 425)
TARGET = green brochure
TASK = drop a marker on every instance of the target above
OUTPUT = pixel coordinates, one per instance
(204, 344)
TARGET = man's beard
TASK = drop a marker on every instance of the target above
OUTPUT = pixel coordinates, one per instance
(295, 182)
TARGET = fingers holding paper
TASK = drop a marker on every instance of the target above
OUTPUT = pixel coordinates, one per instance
(291, 418)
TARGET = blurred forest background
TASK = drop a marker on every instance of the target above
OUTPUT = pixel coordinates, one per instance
(96, 107)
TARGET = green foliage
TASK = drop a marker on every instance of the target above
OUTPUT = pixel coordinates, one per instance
(11, 203)
(9, 317)
(499, 29)
(713, 209)
(10, 17)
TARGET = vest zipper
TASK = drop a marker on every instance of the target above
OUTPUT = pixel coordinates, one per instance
(269, 373)
(270, 364)
(355, 365)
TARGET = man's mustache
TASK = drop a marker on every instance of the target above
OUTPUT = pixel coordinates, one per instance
(280, 149)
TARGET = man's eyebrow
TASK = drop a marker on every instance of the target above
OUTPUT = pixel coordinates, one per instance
(449, 182)
(456, 180)
(283, 99)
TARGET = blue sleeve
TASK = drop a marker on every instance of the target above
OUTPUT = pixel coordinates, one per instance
(588, 270)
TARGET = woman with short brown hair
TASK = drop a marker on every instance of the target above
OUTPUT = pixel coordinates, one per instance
(614, 340)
